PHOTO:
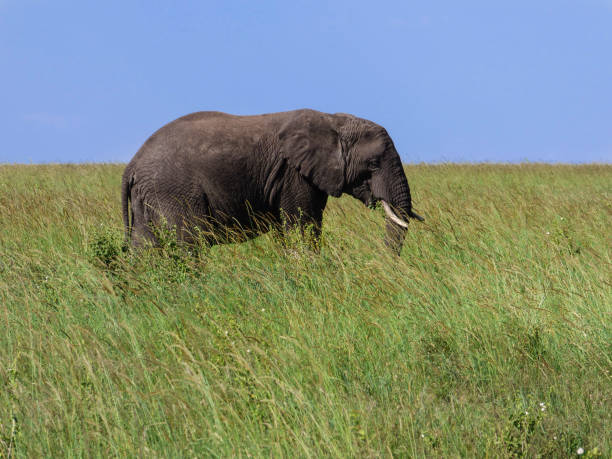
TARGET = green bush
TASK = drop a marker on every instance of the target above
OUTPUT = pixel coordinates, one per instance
(105, 245)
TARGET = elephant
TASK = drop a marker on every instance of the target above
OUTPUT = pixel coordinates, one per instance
(210, 172)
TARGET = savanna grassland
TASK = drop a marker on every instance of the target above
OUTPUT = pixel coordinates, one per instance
(490, 336)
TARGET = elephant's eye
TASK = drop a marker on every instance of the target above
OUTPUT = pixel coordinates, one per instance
(373, 164)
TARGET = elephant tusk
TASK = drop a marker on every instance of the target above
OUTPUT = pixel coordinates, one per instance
(394, 218)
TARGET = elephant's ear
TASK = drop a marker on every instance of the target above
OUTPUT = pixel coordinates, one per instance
(310, 144)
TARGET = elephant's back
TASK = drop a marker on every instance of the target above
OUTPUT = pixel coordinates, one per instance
(179, 143)
(203, 133)
(211, 131)
(200, 152)
(209, 146)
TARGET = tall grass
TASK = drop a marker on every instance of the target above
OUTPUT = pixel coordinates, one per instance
(490, 336)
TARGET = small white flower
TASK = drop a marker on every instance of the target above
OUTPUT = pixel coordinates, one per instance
(248, 351)
(422, 435)
(555, 437)
(526, 413)
(263, 309)
(226, 332)
(542, 406)
(580, 451)
(562, 218)
(547, 233)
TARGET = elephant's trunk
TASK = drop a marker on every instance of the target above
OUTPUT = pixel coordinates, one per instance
(398, 209)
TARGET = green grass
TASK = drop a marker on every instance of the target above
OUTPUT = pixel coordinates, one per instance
(501, 301)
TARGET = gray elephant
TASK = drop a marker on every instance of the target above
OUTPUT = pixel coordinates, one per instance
(210, 172)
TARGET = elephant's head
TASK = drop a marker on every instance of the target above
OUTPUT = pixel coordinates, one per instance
(341, 153)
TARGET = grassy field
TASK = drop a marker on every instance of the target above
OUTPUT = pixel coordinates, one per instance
(490, 336)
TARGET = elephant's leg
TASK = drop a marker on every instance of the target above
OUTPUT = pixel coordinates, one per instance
(141, 225)
(311, 233)
(304, 210)
(187, 217)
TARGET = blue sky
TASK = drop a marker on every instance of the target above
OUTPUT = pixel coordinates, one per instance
(450, 80)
